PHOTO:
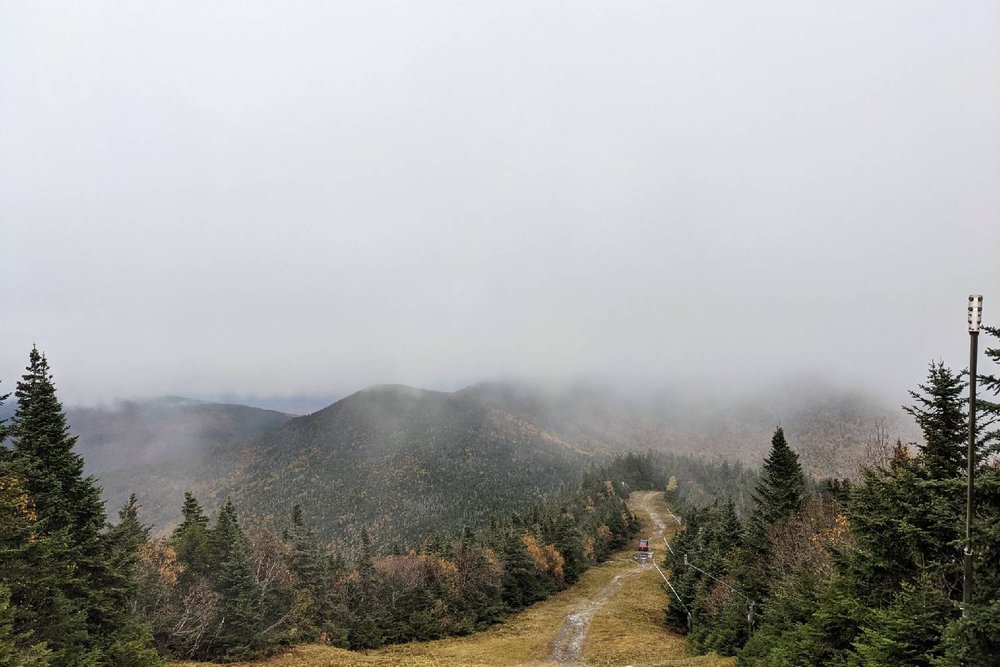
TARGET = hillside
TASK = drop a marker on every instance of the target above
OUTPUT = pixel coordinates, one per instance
(612, 616)
(156, 448)
(404, 462)
(170, 428)
(826, 425)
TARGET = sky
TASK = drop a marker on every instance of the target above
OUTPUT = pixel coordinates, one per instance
(279, 199)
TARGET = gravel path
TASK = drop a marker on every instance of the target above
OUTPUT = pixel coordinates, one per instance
(568, 644)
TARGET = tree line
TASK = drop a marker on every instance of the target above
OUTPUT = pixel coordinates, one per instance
(77, 590)
(862, 572)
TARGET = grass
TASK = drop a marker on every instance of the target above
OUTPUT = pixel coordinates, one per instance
(629, 630)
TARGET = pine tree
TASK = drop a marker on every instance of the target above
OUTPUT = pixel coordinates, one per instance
(522, 583)
(778, 493)
(75, 590)
(241, 611)
(314, 608)
(940, 411)
(191, 537)
(43, 451)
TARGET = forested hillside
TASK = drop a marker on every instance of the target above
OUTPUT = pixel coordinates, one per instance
(170, 428)
(76, 591)
(431, 453)
(866, 572)
(402, 462)
(829, 423)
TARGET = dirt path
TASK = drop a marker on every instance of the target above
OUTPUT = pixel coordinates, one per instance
(568, 644)
(612, 616)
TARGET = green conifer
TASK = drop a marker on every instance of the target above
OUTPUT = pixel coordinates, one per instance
(940, 411)
(778, 493)
(75, 583)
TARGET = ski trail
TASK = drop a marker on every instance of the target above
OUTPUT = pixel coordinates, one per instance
(568, 644)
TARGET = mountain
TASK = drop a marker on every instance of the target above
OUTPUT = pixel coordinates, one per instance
(399, 461)
(160, 430)
(403, 462)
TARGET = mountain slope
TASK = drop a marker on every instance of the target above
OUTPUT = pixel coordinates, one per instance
(826, 425)
(404, 462)
(170, 428)
(401, 462)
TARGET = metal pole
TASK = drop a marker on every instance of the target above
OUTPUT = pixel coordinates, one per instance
(975, 316)
(971, 456)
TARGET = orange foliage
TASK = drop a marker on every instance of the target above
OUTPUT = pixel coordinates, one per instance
(546, 558)
(159, 559)
(15, 506)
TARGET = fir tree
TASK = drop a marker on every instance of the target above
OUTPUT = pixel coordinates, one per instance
(522, 583)
(778, 494)
(4, 453)
(191, 537)
(940, 411)
(240, 612)
(76, 590)
(43, 451)
(569, 542)
(315, 607)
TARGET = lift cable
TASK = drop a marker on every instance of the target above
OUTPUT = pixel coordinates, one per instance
(674, 591)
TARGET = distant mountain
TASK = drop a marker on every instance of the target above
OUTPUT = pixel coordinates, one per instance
(826, 425)
(399, 461)
(167, 429)
(403, 462)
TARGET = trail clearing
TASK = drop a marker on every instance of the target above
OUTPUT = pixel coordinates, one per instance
(612, 616)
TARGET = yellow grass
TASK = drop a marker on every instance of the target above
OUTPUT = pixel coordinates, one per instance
(629, 630)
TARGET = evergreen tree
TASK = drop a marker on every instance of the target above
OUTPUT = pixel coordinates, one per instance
(4, 453)
(43, 452)
(569, 542)
(940, 411)
(134, 644)
(522, 583)
(315, 609)
(778, 493)
(191, 537)
(76, 590)
(17, 649)
(241, 610)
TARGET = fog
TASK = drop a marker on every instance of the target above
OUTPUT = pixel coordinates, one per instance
(274, 201)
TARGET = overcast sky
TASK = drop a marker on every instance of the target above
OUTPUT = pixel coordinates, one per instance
(279, 198)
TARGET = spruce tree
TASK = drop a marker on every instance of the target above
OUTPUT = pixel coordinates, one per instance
(52, 592)
(75, 591)
(940, 411)
(314, 608)
(778, 493)
(43, 451)
(569, 542)
(522, 583)
(241, 609)
(4, 453)
(191, 537)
